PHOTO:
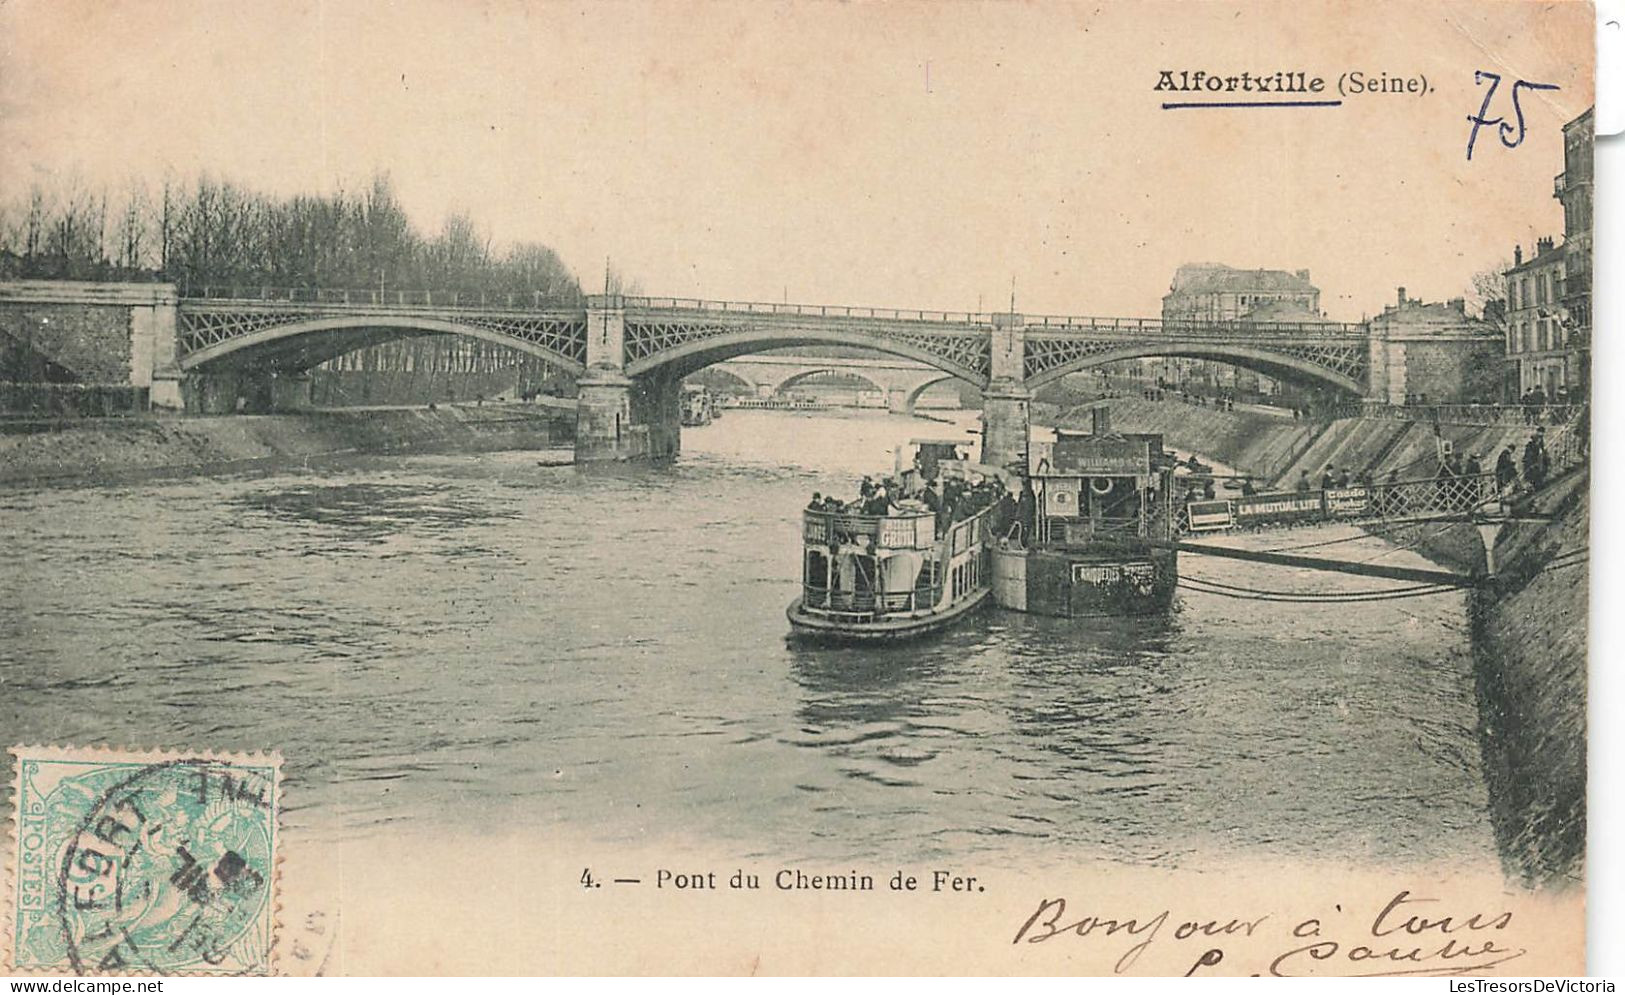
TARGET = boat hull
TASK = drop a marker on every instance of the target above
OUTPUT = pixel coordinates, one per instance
(805, 625)
(1077, 584)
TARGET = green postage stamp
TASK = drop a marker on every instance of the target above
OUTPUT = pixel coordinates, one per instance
(136, 862)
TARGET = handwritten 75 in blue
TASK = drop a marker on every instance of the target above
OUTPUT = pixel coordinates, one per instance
(1511, 136)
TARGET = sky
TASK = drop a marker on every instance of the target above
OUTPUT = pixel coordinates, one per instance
(896, 154)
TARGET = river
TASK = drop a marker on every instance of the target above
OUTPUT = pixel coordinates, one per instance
(457, 641)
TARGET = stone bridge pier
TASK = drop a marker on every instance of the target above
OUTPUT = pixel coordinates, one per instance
(620, 417)
(1006, 401)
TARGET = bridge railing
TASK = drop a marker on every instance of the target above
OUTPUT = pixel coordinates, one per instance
(1200, 329)
(806, 310)
(1463, 414)
(536, 299)
(532, 300)
(1444, 495)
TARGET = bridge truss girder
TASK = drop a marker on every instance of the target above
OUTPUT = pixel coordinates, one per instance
(294, 338)
(1341, 363)
(694, 342)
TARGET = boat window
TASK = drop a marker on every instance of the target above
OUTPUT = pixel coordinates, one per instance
(817, 568)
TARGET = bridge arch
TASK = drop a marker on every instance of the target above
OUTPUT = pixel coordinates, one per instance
(1280, 366)
(745, 384)
(800, 375)
(913, 397)
(350, 332)
(702, 352)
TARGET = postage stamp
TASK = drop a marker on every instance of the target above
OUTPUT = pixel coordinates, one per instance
(138, 861)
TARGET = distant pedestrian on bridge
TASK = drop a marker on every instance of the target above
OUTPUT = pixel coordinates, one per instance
(1303, 486)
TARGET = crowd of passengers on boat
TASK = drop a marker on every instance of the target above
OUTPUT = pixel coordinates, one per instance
(950, 498)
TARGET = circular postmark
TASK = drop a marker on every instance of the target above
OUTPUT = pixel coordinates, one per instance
(170, 870)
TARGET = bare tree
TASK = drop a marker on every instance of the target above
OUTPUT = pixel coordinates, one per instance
(133, 229)
(616, 282)
(209, 232)
(35, 222)
(1487, 293)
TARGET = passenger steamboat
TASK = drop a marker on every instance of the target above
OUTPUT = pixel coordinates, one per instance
(699, 406)
(870, 577)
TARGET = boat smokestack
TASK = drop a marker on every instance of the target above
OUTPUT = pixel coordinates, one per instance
(1100, 420)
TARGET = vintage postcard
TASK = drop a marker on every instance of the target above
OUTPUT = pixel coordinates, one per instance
(800, 488)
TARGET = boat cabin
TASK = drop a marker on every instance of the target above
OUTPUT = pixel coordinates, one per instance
(1102, 487)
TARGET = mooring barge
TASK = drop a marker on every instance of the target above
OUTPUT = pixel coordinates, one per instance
(1092, 511)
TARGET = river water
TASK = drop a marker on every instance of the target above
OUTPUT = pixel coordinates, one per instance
(469, 641)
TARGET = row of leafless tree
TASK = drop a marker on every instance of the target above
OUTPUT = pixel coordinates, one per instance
(215, 233)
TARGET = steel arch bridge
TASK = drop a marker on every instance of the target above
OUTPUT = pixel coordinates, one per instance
(629, 354)
(684, 335)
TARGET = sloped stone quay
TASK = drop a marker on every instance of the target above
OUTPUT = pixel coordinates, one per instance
(1529, 649)
(96, 450)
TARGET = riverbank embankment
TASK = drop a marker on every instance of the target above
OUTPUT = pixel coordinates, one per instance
(1529, 635)
(89, 449)
(1252, 442)
(1379, 446)
(1277, 450)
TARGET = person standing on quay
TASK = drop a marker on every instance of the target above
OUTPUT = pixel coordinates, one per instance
(1506, 472)
(1533, 453)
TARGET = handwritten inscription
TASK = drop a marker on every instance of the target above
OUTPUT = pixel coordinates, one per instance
(1409, 936)
(1512, 132)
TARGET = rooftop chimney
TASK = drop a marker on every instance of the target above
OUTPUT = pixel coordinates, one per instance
(1401, 296)
(1303, 275)
(1517, 255)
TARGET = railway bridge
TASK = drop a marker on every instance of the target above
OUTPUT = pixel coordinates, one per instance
(901, 382)
(630, 353)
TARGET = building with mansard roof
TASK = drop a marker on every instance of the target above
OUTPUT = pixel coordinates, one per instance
(1216, 292)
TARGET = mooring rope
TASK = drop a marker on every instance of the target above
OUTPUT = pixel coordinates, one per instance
(1318, 599)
